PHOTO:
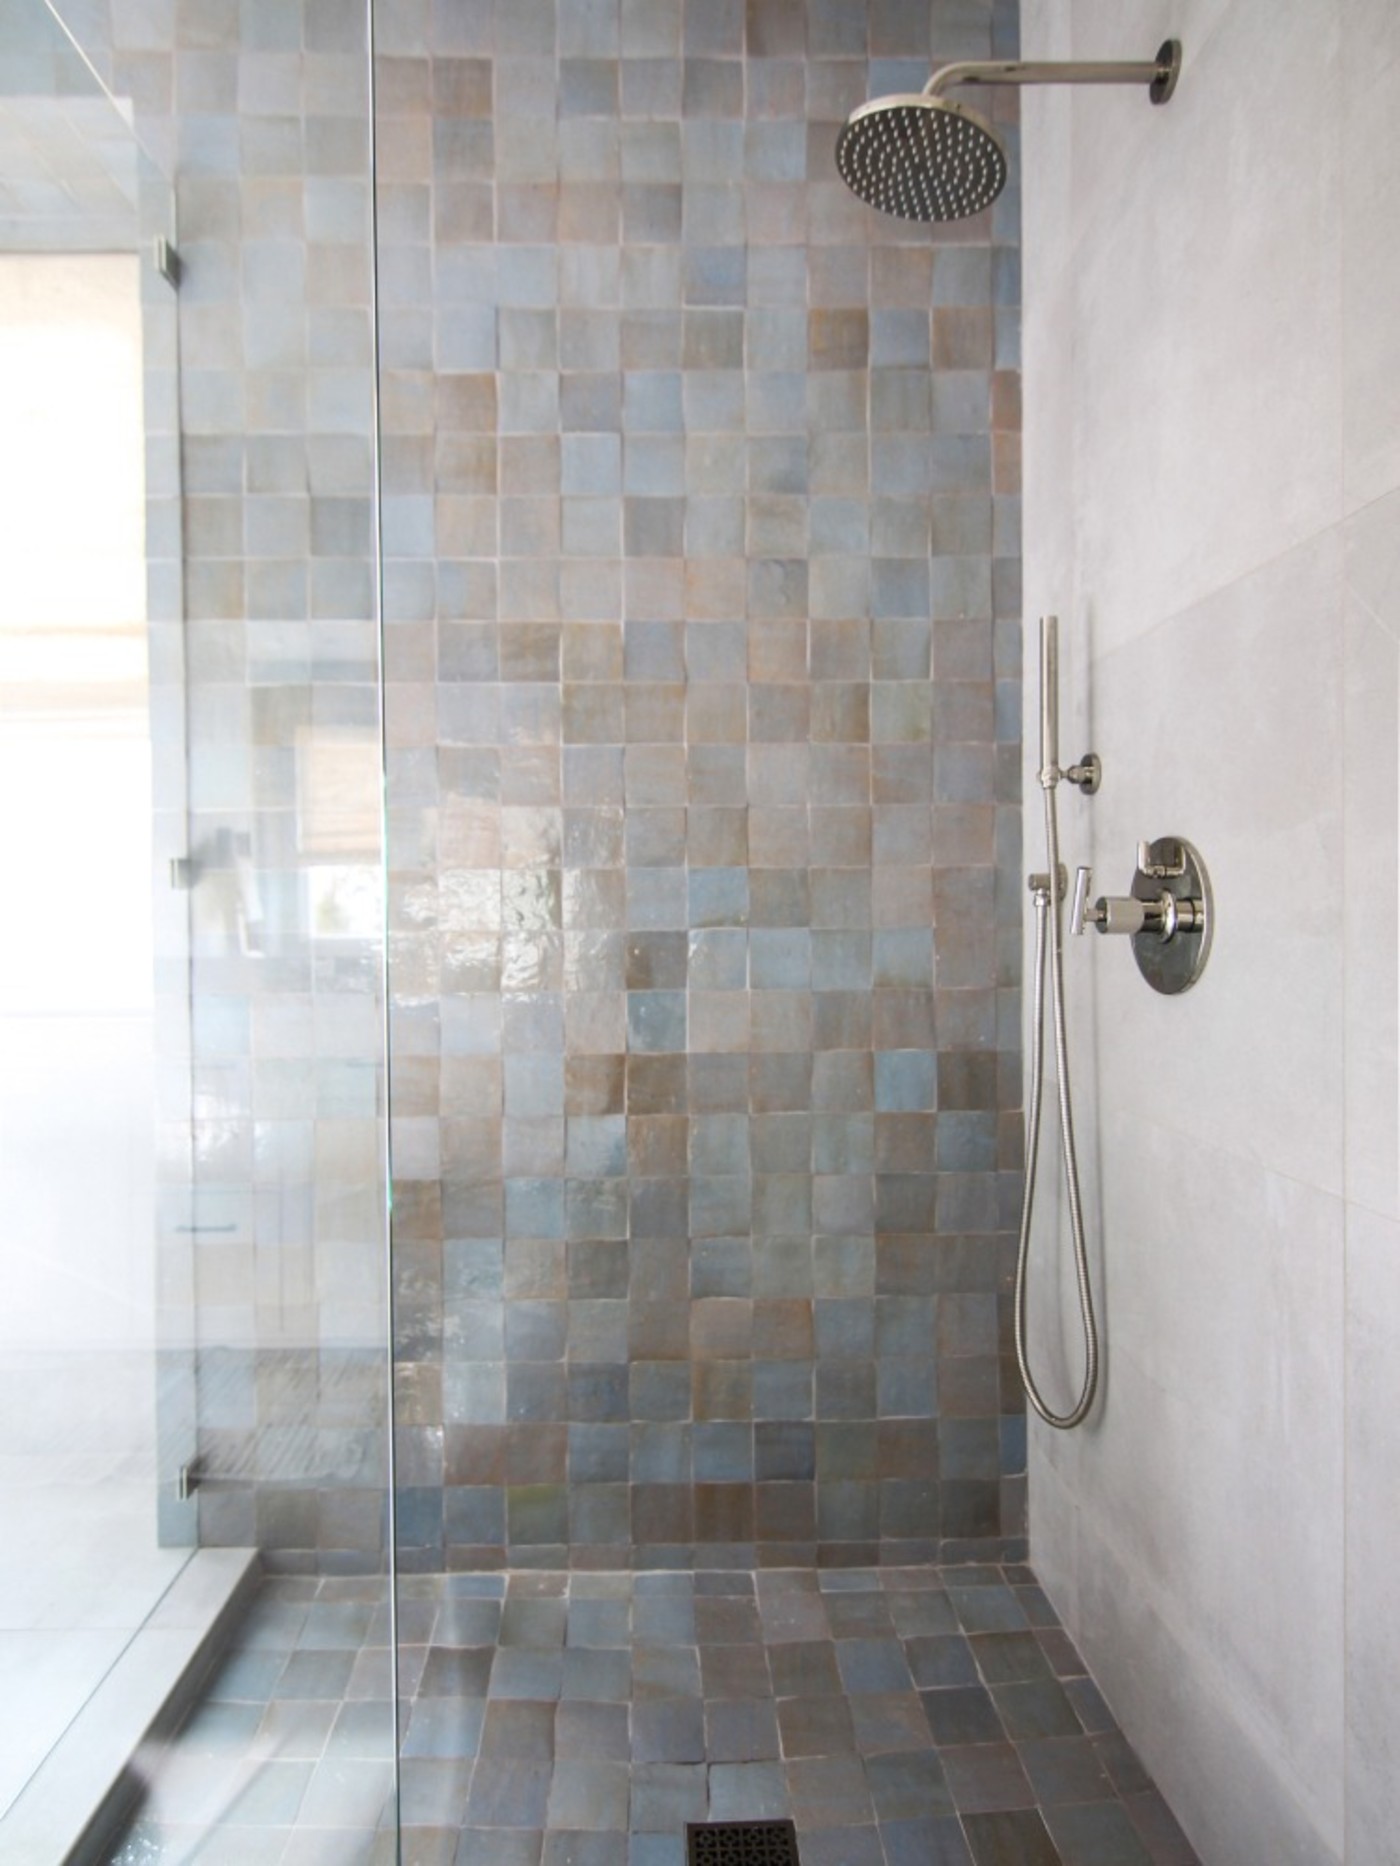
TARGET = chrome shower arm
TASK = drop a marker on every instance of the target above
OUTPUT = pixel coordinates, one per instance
(1017, 71)
(1159, 74)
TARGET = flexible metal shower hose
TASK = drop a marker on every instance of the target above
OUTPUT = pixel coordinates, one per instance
(1047, 910)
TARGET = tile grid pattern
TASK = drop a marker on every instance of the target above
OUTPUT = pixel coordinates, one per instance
(702, 649)
(701, 512)
(899, 1717)
(74, 179)
(263, 111)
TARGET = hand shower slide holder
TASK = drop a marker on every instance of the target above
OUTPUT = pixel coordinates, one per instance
(1048, 891)
(1169, 917)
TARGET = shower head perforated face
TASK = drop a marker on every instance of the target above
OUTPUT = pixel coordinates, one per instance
(921, 158)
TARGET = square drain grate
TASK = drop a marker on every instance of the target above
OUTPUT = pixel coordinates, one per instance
(741, 1843)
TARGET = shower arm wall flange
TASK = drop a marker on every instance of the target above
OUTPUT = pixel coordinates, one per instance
(1159, 74)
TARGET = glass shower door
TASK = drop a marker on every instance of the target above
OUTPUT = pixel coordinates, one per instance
(94, 1087)
(194, 1368)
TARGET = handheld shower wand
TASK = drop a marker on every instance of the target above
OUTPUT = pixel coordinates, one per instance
(1048, 892)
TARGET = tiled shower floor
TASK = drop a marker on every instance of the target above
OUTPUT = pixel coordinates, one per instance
(901, 1717)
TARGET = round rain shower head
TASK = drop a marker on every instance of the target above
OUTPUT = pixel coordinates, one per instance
(925, 159)
(921, 158)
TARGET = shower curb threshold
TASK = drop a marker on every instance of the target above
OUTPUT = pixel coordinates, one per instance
(89, 1779)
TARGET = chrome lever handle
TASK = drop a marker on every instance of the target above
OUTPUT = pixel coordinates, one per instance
(1111, 913)
(1083, 879)
(1170, 867)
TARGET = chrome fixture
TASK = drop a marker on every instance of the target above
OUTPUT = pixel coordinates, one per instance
(923, 158)
(1168, 915)
(1049, 905)
(167, 262)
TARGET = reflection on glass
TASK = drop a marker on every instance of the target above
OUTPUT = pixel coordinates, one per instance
(88, 604)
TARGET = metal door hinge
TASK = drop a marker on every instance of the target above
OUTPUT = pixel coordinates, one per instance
(167, 262)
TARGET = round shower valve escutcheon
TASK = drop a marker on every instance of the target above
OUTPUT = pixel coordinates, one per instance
(1168, 914)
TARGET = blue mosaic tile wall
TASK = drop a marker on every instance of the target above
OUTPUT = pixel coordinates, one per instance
(701, 526)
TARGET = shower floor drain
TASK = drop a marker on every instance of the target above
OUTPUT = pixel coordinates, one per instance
(741, 1843)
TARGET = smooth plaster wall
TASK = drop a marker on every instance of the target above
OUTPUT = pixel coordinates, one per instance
(1212, 494)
